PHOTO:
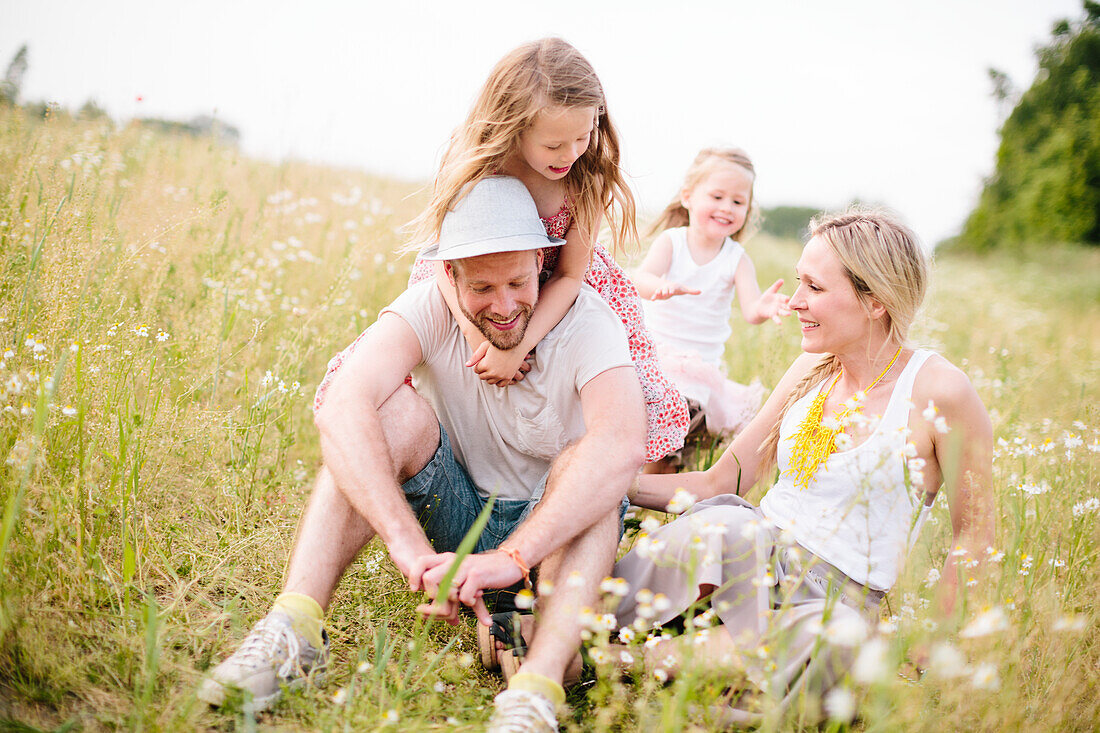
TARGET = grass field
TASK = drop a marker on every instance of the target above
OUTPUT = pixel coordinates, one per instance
(167, 308)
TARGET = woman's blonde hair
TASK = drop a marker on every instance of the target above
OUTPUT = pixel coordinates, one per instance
(885, 263)
(537, 75)
(706, 162)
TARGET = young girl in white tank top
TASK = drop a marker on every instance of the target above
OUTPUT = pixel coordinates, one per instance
(688, 281)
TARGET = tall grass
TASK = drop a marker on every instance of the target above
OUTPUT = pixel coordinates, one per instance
(166, 310)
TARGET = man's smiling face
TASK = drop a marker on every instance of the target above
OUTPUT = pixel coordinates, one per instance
(498, 292)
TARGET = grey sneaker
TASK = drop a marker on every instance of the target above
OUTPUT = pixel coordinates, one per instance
(520, 711)
(272, 655)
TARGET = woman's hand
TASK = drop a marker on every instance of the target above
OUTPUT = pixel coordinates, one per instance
(499, 367)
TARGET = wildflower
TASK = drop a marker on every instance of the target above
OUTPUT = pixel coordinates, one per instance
(660, 675)
(661, 602)
(341, 696)
(994, 555)
(959, 551)
(599, 656)
(988, 621)
(391, 716)
(525, 600)
(626, 635)
(847, 630)
(1090, 505)
(840, 704)
(654, 639)
(546, 587)
(750, 529)
(574, 580)
(439, 687)
(68, 411)
(681, 501)
(626, 657)
(871, 664)
(162, 336)
(644, 596)
(465, 660)
(930, 412)
(1069, 623)
(941, 426)
(363, 667)
(985, 677)
(615, 586)
(1034, 489)
(842, 441)
(649, 525)
(945, 661)
(932, 577)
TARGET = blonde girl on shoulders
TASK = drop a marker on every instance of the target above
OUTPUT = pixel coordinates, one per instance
(542, 117)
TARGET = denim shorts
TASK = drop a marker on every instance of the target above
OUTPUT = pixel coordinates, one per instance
(446, 502)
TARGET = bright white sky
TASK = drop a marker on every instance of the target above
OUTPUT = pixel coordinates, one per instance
(886, 101)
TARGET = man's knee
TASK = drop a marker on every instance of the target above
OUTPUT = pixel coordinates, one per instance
(411, 429)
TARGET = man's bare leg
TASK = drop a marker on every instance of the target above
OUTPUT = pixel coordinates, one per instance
(289, 642)
(575, 571)
(331, 532)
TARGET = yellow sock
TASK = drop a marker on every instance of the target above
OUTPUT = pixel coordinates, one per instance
(305, 615)
(539, 685)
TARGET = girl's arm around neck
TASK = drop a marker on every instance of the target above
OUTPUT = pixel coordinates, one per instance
(740, 465)
(556, 297)
(557, 294)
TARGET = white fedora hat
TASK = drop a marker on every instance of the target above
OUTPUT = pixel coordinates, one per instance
(496, 215)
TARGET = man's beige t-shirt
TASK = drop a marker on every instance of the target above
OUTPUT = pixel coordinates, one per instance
(507, 437)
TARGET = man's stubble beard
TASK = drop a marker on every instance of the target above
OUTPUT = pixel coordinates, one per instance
(502, 340)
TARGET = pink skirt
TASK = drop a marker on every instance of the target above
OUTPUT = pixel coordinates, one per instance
(728, 406)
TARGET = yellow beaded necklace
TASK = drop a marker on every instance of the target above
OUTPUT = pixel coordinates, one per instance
(815, 440)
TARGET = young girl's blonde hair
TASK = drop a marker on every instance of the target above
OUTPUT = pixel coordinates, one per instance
(885, 262)
(540, 74)
(705, 163)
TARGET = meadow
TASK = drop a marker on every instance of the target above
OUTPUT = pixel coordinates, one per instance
(167, 308)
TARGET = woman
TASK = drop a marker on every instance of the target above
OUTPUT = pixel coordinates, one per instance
(797, 580)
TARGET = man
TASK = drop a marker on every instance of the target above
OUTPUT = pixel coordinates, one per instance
(416, 467)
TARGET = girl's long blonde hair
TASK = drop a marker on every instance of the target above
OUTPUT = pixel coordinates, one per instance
(884, 262)
(709, 159)
(540, 74)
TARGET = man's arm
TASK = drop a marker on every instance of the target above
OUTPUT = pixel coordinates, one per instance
(586, 482)
(353, 444)
(589, 479)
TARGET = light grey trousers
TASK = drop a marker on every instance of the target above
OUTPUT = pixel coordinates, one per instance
(795, 622)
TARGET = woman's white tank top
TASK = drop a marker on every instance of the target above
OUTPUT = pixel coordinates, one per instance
(858, 512)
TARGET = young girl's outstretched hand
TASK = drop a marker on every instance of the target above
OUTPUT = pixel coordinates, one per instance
(772, 304)
(668, 290)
